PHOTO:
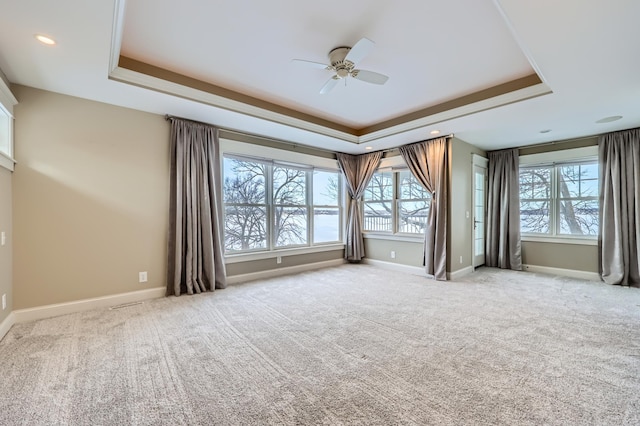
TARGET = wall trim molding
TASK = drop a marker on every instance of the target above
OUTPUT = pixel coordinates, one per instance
(460, 273)
(413, 270)
(572, 273)
(6, 325)
(416, 270)
(271, 273)
(54, 310)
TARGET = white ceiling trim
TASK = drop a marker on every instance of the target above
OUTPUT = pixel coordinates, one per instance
(153, 83)
(116, 34)
(472, 108)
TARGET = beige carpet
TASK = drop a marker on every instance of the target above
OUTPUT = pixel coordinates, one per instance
(348, 345)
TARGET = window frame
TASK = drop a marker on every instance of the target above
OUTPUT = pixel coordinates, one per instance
(396, 202)
(274, 157)
(554, 160)
(7, 101)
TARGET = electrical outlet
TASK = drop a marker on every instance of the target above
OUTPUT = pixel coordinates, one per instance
(392, 254)
(4, 302)
(279, 260)
(3, 238)
(142, 277)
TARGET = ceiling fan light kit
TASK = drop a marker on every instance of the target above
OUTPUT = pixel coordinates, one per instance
(343, 60)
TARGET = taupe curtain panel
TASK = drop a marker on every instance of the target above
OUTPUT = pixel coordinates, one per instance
(503, 246)
(357, 171)
(196, 261)
(619, 239)
(429, 163)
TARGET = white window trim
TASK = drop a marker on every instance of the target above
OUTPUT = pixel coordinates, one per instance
(280, 252)
(7, 101)
(285, 158)
(394, 167)
(554, 158)
(411, 238)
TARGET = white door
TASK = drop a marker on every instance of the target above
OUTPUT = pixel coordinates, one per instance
(479, 212)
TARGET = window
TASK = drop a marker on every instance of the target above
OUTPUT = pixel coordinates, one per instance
(560, 199)
(7, 101)
(269, 205)
(394, 201)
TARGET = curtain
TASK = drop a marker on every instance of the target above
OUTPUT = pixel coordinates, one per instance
(619, 239)
(503, 247)
(357, 171)
(429, 163)
(195, 258)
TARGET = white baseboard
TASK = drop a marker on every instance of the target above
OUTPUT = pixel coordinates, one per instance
(271, 273)
(413, 270)
(48, 311)
(573, 273)
(6, 325)
(460, 273)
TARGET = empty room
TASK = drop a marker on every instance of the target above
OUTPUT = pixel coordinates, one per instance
(319, 213)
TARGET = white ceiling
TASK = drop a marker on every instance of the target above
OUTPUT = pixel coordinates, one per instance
(585, 53)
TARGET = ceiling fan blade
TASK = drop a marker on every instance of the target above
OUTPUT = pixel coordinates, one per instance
(330, 84)
(360, 50)
(369, 76)
(311, 64)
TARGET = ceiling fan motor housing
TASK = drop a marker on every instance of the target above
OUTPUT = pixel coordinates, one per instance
(336, 58)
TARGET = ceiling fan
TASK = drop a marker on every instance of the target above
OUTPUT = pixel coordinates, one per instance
(343, 60)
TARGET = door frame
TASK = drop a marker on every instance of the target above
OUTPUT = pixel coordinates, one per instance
(482, 162)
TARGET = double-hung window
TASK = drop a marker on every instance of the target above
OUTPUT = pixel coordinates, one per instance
(395, 202)
(271, 205)
(560, 199)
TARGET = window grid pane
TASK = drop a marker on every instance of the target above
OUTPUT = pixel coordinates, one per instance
(577, 199)
(571, 209)
(378, 216)
(271, 206)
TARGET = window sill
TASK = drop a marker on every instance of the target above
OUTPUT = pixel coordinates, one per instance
(272, 254)
(560, 240)
(395, 237)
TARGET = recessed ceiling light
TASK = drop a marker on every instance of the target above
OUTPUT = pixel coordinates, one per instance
(609, 119)
(435, 132)
(545, 131)
(45, 40)
(368, 147)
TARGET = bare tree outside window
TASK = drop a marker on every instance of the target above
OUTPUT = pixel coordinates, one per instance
(247, 184)
(245, 205)
(571, 210)
(410, 198)
(290, 211)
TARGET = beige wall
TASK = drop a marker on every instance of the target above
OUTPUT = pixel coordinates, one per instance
(6, 250)
(90, 198)
(459, 235)
(253, 266)
(407, 252)
(557, 255)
